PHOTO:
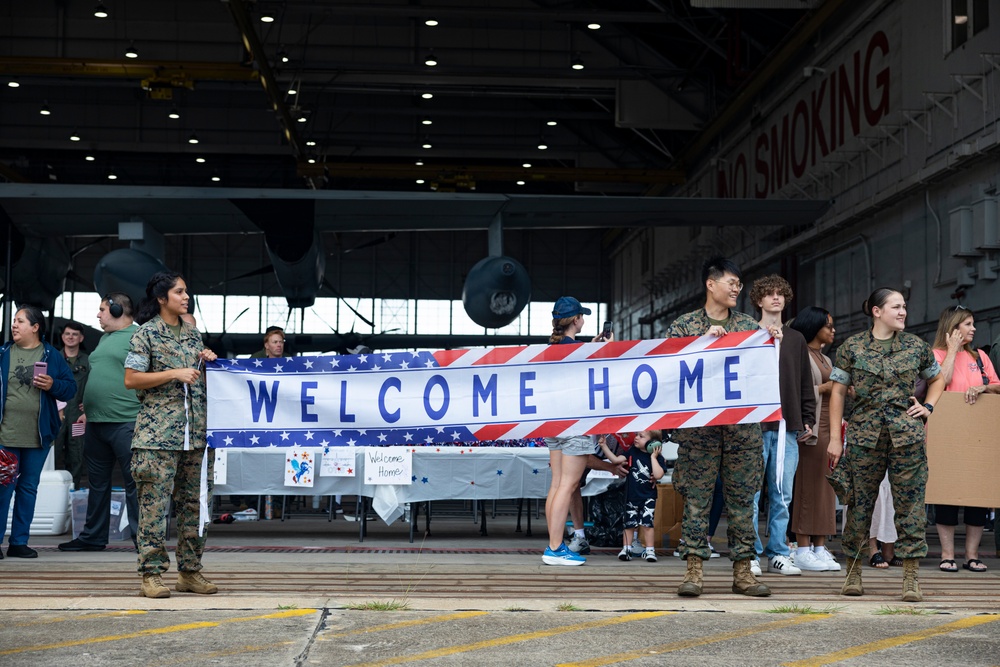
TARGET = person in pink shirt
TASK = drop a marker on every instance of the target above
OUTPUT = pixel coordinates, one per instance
(964, 369)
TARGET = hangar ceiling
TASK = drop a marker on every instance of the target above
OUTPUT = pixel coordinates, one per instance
(654, 72)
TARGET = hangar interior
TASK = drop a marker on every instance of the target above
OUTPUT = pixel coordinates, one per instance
(891, 115)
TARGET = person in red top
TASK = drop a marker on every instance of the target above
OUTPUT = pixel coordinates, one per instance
(964, 369)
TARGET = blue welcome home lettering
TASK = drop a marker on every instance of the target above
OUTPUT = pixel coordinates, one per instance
(481, 393)
(263, 400)
(603, 387)
(692, 378)
(307, 400)
(732, 376)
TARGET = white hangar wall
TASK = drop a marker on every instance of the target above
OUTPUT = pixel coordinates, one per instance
(896, 125)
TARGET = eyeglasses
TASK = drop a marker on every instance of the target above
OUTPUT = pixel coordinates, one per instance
(731, 284)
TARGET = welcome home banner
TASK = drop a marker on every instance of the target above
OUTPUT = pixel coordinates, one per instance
(503, 393)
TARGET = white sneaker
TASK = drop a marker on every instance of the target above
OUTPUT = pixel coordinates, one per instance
(782, 565)
(624, 554)
(714, 554)
(831, 561)
(579, 545)
(810, 562)
(755, 567)
(649, 555)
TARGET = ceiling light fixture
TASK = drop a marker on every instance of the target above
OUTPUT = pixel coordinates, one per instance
(292, 90)
(594, 26)
(215, 177)
(419, 163)
(13, 83)
(311, 160)
(526, 165)
(200, 160)
(302, 117)
(89, 158)
(426, 144)
(310, 143)
(266, 17)
(174, 114)
(428, 96)
(432, 22)
(426, 121)
(430, 60)
(193, 139)
(552, 123)
(520, 182)
(112, 176)
(420, 181)
(577, 63)
(283, 55)
(75, 136)
(100, 11)
(131, 52)
(45, 111)
(542, 146)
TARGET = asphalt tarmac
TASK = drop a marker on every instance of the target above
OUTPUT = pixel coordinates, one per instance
(306, 592)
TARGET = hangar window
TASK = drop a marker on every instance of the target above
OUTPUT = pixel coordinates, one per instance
(965, 19)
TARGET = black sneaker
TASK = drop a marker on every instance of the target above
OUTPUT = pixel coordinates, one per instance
(21, 551)
(78, 545)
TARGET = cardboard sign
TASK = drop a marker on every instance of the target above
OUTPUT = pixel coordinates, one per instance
(963, 451)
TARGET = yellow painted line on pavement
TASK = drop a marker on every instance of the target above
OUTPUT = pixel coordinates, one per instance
(83, 617)
(408, 624)
(864, 649)
(289, 613)
(513, 639)
(693, 643)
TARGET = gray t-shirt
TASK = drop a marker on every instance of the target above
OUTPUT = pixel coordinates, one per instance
(19, 427)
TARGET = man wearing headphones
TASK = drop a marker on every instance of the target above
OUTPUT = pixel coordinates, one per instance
(111, 411)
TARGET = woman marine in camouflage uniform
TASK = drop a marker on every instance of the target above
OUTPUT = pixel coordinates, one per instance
(164, 366)
(885, 432)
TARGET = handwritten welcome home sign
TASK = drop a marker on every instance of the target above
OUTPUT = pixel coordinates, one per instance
(423, 398)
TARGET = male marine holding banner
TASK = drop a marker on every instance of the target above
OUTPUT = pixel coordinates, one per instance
(706, 451)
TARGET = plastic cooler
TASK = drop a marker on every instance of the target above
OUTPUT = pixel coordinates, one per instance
(117, 526)
(52, 508)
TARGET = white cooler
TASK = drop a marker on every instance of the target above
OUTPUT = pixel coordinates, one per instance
(53, 515)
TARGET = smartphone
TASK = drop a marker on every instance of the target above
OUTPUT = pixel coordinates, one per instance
(606, 331)
(41, 368)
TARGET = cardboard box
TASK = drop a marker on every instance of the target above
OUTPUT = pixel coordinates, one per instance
(963, 451)
(667, 516)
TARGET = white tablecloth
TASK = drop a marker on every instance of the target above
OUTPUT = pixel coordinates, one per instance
(439, 473)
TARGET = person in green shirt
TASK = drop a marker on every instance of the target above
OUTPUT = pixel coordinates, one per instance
(110, 409)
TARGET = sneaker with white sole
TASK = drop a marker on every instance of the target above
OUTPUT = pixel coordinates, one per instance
(755, 567)
(782, 565)
(649, 555)
(562, 556)
(625, 554)
(714, 554)
(810, 562)
(579, 545)
(831, 561)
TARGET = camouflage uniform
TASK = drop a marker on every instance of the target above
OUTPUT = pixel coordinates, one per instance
(735, 452)
(163, 463)
(69, 449)
(882, 437)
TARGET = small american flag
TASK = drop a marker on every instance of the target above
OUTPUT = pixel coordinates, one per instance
(77, 429)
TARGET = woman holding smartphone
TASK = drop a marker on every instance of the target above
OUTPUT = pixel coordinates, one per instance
(164, 365)
(33, 375)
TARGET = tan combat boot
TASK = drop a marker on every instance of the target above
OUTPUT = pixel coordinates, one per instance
(195, 583)
(691, 586)
(852, 583)
(744, 582)
(911, 587)
(152, 587)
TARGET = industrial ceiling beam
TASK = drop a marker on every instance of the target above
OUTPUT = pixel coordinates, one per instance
(471, 11)
(253, 46)
(182, 71)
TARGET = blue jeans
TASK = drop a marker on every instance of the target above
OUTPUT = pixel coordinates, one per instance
(24, 492)
(777, 523)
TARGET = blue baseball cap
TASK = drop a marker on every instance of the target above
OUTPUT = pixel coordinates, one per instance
(567, 306)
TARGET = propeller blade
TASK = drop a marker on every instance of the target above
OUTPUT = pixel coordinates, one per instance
(329, 286)
(249, 274)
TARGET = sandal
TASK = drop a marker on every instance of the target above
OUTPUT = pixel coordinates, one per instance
(948, 565)
(896, 561)
(974, 565)
(877, 561)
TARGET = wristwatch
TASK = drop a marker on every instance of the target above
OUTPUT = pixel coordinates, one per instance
(930, 408)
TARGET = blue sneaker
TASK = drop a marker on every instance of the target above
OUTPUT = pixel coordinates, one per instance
(562, 556)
